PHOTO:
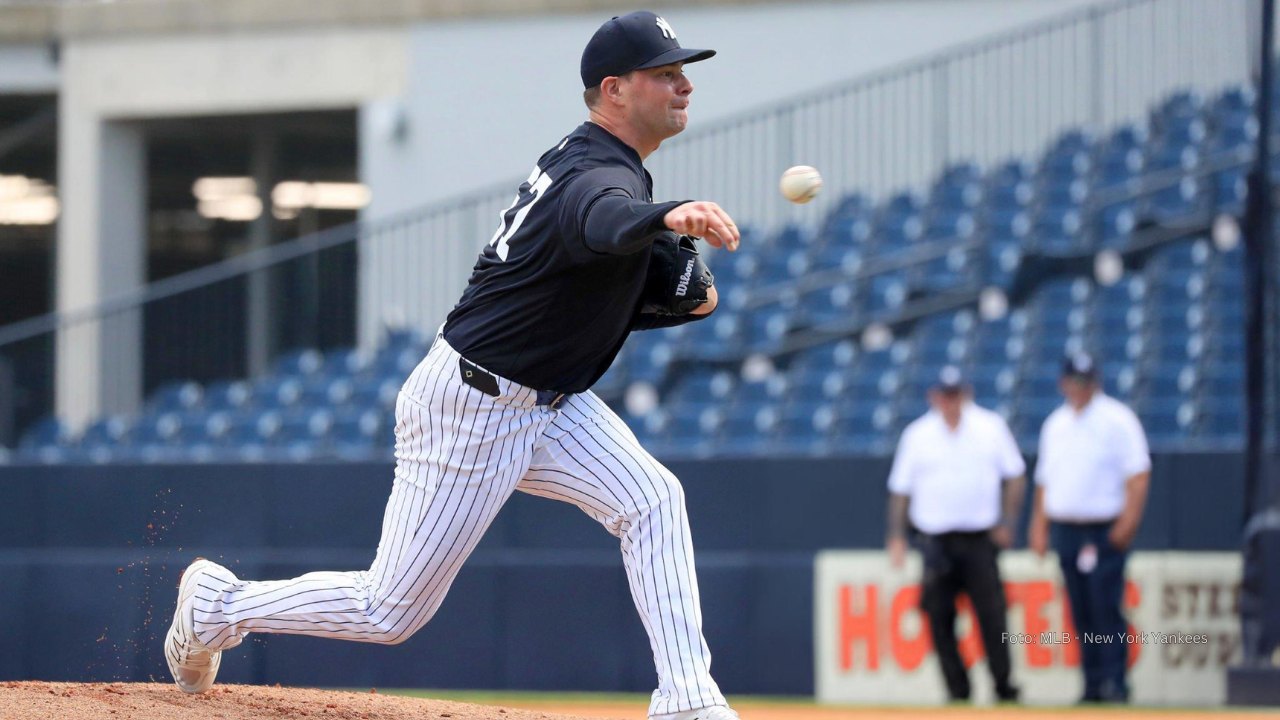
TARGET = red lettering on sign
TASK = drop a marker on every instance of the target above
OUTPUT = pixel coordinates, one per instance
(1033, 595)
(856, 626)
(1132, 598)
(1070, 650)
(908, 653)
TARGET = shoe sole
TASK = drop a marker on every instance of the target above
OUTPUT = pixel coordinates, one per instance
(185, 591)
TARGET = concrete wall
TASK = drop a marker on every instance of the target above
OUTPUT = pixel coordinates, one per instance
(109, 83)
(28, 67)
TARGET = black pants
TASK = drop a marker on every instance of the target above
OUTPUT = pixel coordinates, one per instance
(1095, 598)
(965, 562)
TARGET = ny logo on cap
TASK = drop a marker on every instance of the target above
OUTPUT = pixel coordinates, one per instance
(667, 30)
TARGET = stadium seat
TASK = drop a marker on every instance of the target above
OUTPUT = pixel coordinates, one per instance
(175, 397)
(304, 361)
(1172, 326)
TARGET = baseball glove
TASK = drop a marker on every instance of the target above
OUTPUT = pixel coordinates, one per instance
(678, 280)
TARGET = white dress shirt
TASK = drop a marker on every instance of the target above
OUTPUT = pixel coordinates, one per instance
(1086, 457)
(953, 477)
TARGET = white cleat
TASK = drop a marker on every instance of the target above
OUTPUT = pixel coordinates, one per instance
(193, 665)
(714, 712)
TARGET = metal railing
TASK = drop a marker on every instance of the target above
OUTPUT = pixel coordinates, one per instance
(985, 103)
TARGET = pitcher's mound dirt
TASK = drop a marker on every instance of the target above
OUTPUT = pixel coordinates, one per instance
(153, 701)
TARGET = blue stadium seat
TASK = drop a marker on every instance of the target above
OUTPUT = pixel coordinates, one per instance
(835, 354)
(1238, 100)
(850, 232)
(346, 361)
(722, 336)
(741, 268)
(1064, 194)
(992, 382)
(767, 326)
(110, 431)
(852, 205)
(175, 397)
(374, 393)
(802, 428)
(1175, 203)
(228, 395)
(1009, 187)
(1181, 105)
(1120, 156)
(861, 431)
(765, 392)
(1115, 222)
(1068, 156)
(959, 187)
(946, 225)
(649, 354)
(323, 390)
(614, 381)
(1172, 155)
(845, 257)
(793, 237)
(393, 361)
(278, 392)
(953, 270)
(303, 361)
(694, 427)
(48, 432)
(704, 387)
(1230, 190)
(359, 434)
(886, 291)
(1058, 230)
(1166, 421)
(749, 429)
(899, 222)
(830, 304)
(1221, 417)
(303, 425)
(816, 383)
(782, 264)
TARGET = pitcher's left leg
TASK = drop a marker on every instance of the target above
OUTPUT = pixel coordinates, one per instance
(590, 458)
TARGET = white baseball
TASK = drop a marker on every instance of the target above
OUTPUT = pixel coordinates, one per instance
(800, 184)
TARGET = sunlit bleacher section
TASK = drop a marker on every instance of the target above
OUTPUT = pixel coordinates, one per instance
(828, 335)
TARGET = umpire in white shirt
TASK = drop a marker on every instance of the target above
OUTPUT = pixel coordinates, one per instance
(958, 477)
(1091, 487)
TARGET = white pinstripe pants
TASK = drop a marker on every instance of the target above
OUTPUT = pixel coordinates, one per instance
(460, 454)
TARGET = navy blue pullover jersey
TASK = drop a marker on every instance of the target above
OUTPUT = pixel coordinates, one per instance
(555, 292)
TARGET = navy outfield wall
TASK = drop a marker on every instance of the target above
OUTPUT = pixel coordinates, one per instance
(90, 558)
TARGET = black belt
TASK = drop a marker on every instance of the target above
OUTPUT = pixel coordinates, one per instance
(963, 533)
(487, 383)
(1085, 524)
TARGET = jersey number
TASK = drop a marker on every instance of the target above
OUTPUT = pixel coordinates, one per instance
(530, 192)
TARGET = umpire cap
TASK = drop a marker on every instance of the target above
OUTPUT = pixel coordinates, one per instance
(950, 380)
(1080, 366)
(633, 42)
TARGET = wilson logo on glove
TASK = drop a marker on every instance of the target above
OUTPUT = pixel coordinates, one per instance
(677, 280)
(683, 286)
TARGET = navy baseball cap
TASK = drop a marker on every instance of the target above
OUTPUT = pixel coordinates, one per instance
(1080, 366)
(950, 380)
(633, 42)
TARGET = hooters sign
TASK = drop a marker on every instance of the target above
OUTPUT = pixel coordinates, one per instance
(872, 643)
